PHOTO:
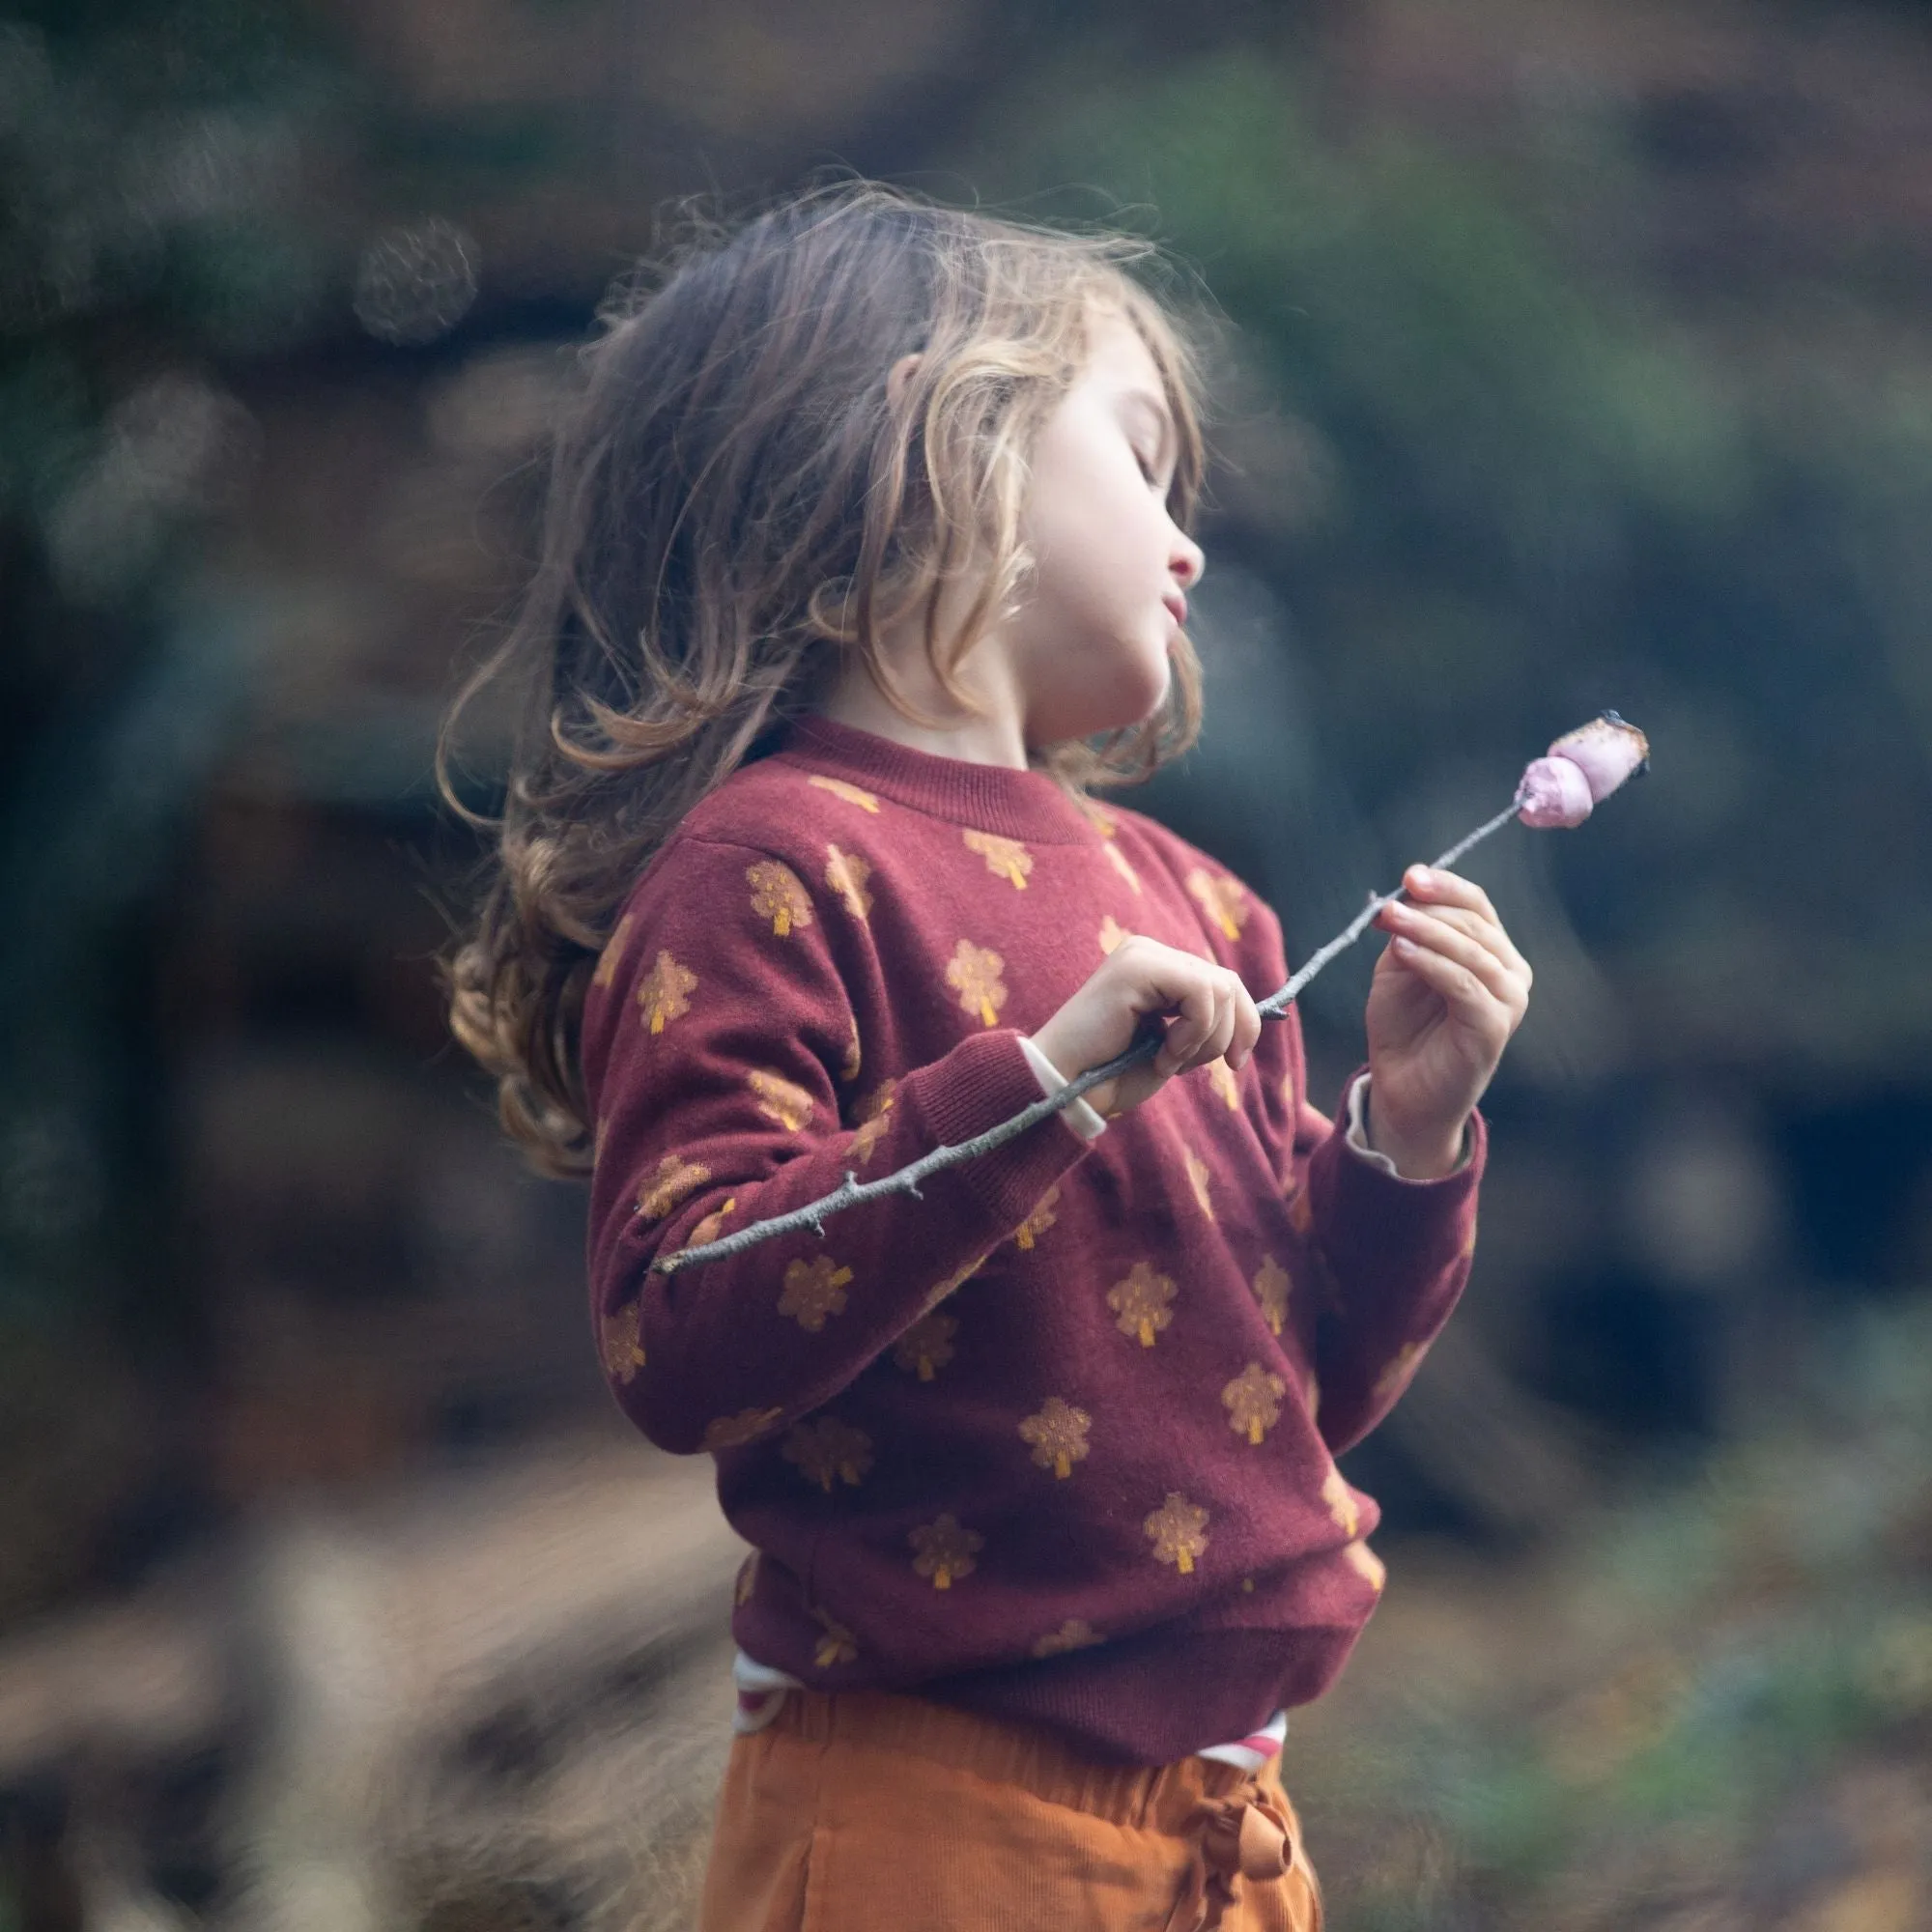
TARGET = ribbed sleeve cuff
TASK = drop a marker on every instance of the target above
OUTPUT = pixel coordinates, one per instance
(1377, 1220)
(982, 1081)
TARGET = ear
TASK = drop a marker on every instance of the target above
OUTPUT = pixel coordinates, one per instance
(900, 375)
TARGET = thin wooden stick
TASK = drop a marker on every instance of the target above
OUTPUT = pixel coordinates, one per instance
(853, 1191)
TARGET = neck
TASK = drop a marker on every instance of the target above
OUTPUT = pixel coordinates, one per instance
(993, 735)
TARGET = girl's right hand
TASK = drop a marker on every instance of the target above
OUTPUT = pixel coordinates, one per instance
(1213, 1014)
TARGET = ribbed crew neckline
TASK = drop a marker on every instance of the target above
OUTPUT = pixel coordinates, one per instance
(990, 798)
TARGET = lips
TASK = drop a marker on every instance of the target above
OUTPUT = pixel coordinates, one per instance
(1176, 606)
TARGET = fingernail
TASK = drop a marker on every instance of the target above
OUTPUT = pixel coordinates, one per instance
(1421, 876)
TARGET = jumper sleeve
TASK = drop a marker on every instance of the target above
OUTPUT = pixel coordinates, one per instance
(722, 1061)
(1387, 1257)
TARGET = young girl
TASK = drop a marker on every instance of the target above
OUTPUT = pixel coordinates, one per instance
(866, 559)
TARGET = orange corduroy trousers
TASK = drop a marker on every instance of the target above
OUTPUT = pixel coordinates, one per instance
(859, 1812)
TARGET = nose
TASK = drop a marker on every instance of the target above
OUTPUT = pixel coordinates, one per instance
(1187, 561)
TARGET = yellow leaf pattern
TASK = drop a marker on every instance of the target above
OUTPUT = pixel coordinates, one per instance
(829, 1451)
(780, 1100)
(1253, 1402)
(1058, 1433)
(1198, 1179)
(1006, 858)
(957, 1280)
(812, 1291)
(1112, 933)
(1178, 1532)
(838, 1645)
(709, 1229)
(974, 974)
(733, 1432)
(1221, 1076)
(947, 1549)
(779, 895)
(850, 793)
(1140, 1303)
(846, 873)
(1075, 1634)
(622, 1349)
(1341, 1502)
(926, 1347)
(663, 989)
(1038, 1221)
(1223, 900)
(1271, 1285)
(1366, 1564)
(849, 1067)
(614, 947)
(748, 1580)
(1118, 858)
(673, 1179)
(1300, 1215)
(869, 1136)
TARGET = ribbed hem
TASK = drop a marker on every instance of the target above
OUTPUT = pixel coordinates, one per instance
(988, 1079)
(990, 798)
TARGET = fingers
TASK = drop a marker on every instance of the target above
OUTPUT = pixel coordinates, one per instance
(1215, 1013)
(1440, 935)
(1463, 903)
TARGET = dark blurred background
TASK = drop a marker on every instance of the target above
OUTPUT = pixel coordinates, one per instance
(1571, 355)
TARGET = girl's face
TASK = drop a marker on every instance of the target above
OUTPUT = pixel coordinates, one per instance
(1089, 646)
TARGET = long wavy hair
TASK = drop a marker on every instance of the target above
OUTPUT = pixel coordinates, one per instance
(738, 509)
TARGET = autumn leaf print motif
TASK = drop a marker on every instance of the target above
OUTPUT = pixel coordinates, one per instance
(1366, 1564)
(1221, 1077)
(707, 1230)
(1178, 1532)
(613, 950)
(1118, 858)
(846, 873)
(1341, 1503)
(1075, 1634)
(672, 1179)
(1223, 900)
(829, 1451)
(974, 974)
(780, 1100)
(623, 1348)
(1253, 1402)
(1038, 1221)
(1271, 1285)
(664, 992)
(947, 1549)
(838, 1645)
(812, 1291)
(1006, 858)
(733, 1432)
(1198, 1177)
(850, 793)
(779, 895)
(1058, 1433)
(926, 1347)
(1140, 1303)
(1112, 933)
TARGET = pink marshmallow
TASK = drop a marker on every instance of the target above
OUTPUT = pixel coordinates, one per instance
(1555, 791)
(1607, 750)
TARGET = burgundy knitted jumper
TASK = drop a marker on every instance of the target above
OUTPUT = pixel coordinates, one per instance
(1054, 1443)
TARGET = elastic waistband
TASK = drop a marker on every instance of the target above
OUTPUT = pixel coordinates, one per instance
(1146, 1797)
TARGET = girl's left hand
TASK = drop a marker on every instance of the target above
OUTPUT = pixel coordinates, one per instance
(1449, 990)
